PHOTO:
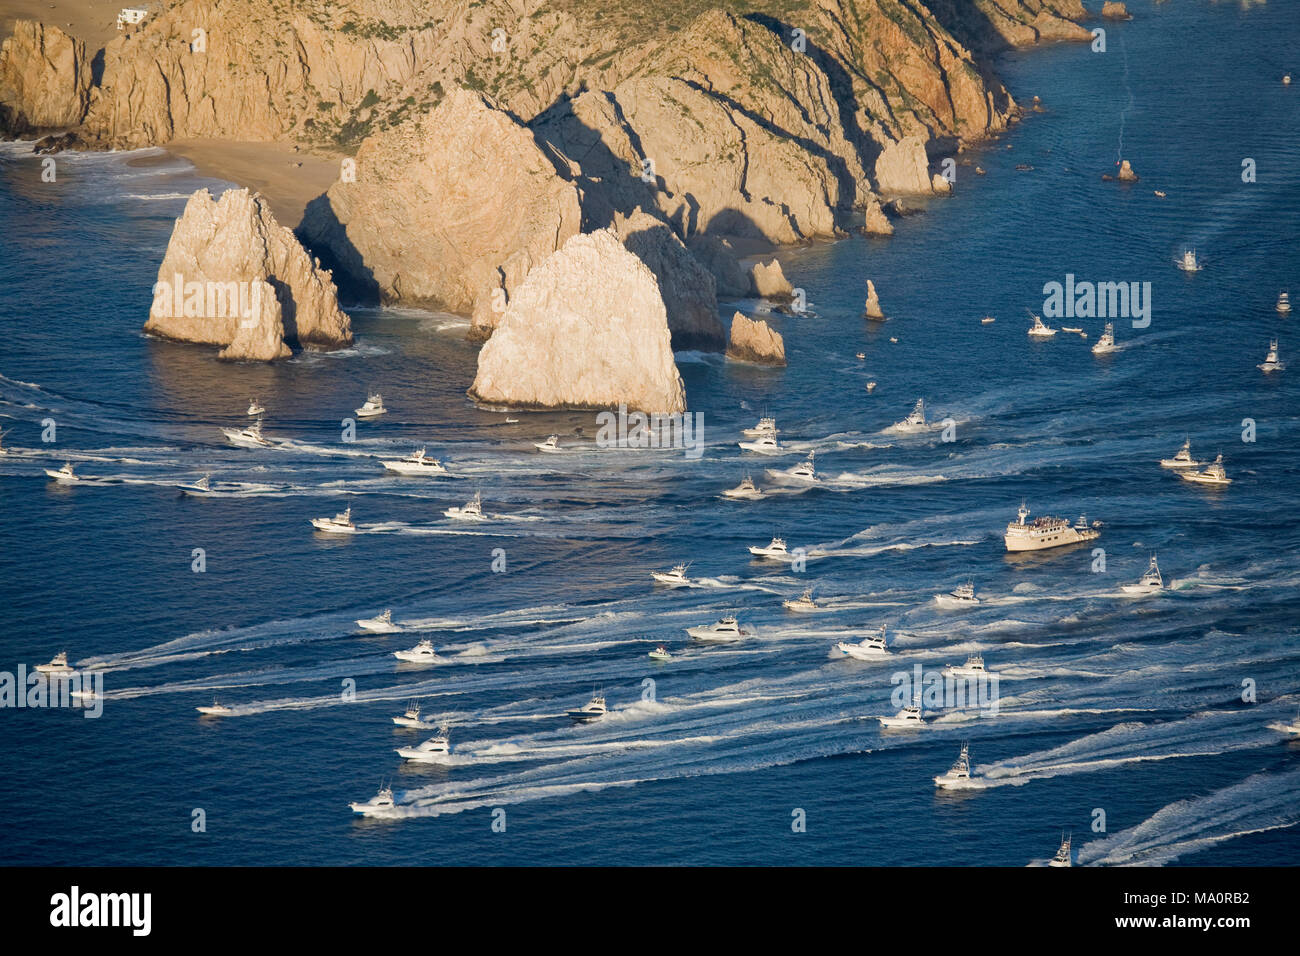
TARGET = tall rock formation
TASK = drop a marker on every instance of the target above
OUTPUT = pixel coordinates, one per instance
(769, 282)
(233, 276)
(753, 340)
(44, 80)
(586, 329)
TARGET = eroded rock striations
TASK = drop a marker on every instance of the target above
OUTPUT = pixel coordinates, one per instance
(45, 80)
(586, 329)
(753, 340)
(232, 276)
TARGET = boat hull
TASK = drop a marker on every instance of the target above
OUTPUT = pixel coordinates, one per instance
(1056, 539)
(330, 527)
(406, 468)
(860, 653)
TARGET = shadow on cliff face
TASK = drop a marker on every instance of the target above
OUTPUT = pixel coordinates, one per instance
(326, 238)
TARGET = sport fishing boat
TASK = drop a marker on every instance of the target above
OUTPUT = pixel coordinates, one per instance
(803, 602)
(1062, 857)
(1188, 262)
(341, 523)
(963, 595)
(217, 709)
(383, 623)
(1106, 343)
(59, 665)
(416, 463)
(725, 631)
(765, 444)
(1039, 330)
(974, 667)
(1048, 532)
(255, 408)
(871, 386)
(674, 578)
(594, 709)
(434, 750)
(551, 445)
(248, 437)
(909, 716)
(1183, 459)
(660, 653)
(1212, 475)
(376, 805)
(915, 421)
(987, 320)
(422, 653)
(746, 489)
(869, 647)
(64, 475)
(472, 510)
(203, 486)
(958, 774)
(1150, 583)
(776, 549)
(765, 426)
(411, 717)
(1283, 303)
(804, 471)
(1271, 362)
(373, 407)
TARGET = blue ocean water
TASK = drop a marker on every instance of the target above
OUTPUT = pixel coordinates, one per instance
(1130, 706)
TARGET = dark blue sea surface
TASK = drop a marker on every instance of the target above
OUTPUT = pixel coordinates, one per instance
(1129, 706)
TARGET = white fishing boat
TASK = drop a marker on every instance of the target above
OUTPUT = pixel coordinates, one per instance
(382, 624)
(470, 511)
(373, 408)
(1039, 330)
(871, 386)
(1048, 532)
(594, 709)
(804, 471)
(973, 668)
(416, 463)
(872, 646)
(1183, 459)
(675, 578)
(1063, 855)
(255, 408)
(963, 595)
(411, 717)
(1283, 302)
(434, 750)
(217, 709)
(201, 487)
(248, 437)
(745, 490)
(421, 653)
(726, 631)
(915, 420)
(377, 805)
(1271, 362)
(958, 775)
(909, 716)
(763, 445)
(803, 602)
(1106, 343)
(1188, 262)
(1149, 583)
(987, 320)
(551, 445)
(765, 426)
(341, 523)
(64, 475)
(776, 549)
(59, 665)
(660, 653)
(1212, 475)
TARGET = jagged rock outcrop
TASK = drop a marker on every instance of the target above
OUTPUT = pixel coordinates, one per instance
(718, 256)
(753, 340)
(233, 276)
(1126, 173)
(769, 282)
(587, 328)
(989, 25)
(445, 210)
(687, 287)
(902, 167)
(872, 308)
(45, 80)
(1112, 10)
(875, 222)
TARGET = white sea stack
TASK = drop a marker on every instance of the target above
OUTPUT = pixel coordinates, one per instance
(769, 282)
(753, 340)
(233, 276)
(902, 167)
(587, 328)
(872, 309)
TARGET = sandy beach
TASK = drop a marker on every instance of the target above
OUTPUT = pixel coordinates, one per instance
(94, 21)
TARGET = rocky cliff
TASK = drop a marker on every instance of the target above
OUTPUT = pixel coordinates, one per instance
(233, 276)
(753, 340)
(45, 80)
(586, 329)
